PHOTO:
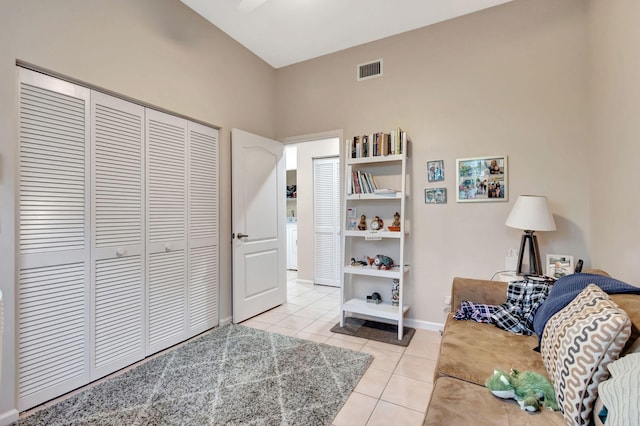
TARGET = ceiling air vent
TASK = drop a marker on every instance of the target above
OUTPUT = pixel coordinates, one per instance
(370, 70)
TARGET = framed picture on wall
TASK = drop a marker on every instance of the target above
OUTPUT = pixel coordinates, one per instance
(482, 179)
(435, 196)
(559, 265)
(435, 171)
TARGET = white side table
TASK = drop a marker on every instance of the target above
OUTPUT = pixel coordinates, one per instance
(507, 276)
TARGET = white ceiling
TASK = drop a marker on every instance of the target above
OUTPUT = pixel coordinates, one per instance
(283, 32)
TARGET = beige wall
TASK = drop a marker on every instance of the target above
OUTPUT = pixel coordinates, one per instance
(156, 51)
(614, 37)
(510, 80)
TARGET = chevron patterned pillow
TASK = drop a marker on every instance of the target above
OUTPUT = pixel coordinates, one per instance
(577, 344)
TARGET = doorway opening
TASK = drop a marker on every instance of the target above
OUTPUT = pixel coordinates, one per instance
(310, 242)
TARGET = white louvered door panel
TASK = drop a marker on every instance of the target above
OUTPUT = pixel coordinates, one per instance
(54, 250)
(203, 228)
(52, 331)
(117, 138)
(166, 230)
(326, 222)
(203, 288)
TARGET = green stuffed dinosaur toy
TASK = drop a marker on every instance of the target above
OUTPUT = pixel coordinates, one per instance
(527, 388)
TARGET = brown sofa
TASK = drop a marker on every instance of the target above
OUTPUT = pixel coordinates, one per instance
(470, 352)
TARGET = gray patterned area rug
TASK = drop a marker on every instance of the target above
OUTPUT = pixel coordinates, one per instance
(233, 375)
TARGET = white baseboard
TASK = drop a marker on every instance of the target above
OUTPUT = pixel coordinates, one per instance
(9, 417)
(306, 282)
(225, 321)
(424, 325)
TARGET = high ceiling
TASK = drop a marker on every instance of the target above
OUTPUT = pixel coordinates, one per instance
(284, 32)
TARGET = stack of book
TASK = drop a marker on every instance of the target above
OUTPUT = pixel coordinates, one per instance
(365, 183)
(379, 144)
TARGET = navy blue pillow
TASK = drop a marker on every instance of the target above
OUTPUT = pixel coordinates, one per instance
(568, 287)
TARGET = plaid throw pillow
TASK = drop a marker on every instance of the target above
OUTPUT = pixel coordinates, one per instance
(477, 312)
(524, 297)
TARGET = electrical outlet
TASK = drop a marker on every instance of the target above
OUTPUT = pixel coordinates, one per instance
(447, 304)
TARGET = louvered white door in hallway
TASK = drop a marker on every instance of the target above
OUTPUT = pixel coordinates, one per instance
(326, 221)
(117, 257)
(53, 239)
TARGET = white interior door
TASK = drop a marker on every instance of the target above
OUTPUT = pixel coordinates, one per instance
(259, 243)
(326, 221)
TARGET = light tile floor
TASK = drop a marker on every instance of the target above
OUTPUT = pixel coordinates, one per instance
(397, 386)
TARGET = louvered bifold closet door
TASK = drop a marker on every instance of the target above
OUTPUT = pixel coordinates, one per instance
(117, 137)
(326, 221)
(166, 187)
(203, 228)
(53, 238)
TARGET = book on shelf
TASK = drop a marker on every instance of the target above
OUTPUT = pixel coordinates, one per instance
(354, 146)
(355, 185)
(362, 183)
(379, 144)
(365, 183)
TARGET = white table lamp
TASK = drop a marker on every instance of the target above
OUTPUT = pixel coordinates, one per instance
(531, 213)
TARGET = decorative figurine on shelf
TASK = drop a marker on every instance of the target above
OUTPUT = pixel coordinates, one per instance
(363, 223)
(377, 223)
(374, 298)
(380, 261)
(396, 220)
(355, 262)
(395, 226)
(395, 292)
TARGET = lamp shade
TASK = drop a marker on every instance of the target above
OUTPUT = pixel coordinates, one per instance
(531, 212)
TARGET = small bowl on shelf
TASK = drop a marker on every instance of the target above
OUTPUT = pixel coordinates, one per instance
(393, 228)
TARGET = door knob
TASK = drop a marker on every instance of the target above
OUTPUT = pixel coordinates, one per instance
(120, 252)
(241, 235)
